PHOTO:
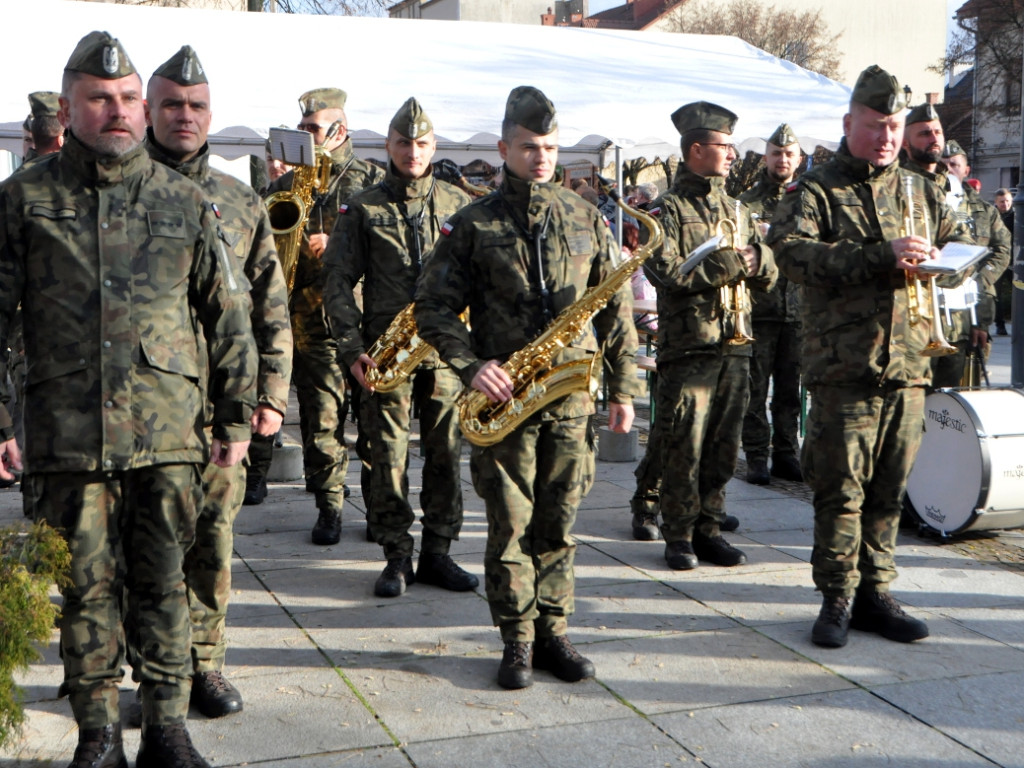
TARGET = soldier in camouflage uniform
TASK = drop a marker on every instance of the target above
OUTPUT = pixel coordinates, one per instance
(382, 235)
(317, 375)
(115, 259)
(702, 379)
(776, 323)
(987, 228)
(178, 95)
(516, 258)
(839, 233)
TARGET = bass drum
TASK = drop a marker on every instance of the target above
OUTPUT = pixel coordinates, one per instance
(969, 473)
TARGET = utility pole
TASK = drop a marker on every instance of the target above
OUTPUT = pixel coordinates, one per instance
(1017, 265)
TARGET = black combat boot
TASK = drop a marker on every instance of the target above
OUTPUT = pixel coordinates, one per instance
(442, 571)
(879, 612)
(757, 472)
(168, 746)
(328, 527)
(833, 623)
(515, 671)
(214, 695)
(679, 556)
(559, 657)
(787, 468)
(396, 576)
(255, 489)
(715, 549)
(645, 527)
(99, 748)
(729, 524)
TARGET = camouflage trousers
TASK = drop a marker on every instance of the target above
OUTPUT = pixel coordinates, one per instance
(320, 390)
(208, 565)
(701, 402)
(646, 498)
(433, 392)
(859, 449)
(532, 482)
(127, 532)
(776, 358)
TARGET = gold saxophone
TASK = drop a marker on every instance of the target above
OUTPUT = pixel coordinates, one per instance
(289, 211)
(535, 382)
(735, 298)
(398, 352)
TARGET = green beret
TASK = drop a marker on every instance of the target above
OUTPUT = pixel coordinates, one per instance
(100, 55)
(923, 113)
(44, 103)
(783, 136)
(703, 115)
(183, 68)
(528, 107)
(952, 149)
(322, 98)
(878, 90)
(411, 121)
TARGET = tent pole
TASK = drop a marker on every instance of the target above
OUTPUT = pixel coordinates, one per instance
(618, 186)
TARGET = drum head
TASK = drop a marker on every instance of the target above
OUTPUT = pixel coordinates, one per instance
(945, 485)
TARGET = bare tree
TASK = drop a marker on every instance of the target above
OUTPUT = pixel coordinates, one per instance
(801, 37)
(318, 7)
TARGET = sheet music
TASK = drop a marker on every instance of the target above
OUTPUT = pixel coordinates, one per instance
(701, 252)
(954, 258)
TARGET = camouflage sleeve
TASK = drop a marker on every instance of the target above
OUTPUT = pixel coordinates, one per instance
(442, 293)
(998, 260)
(664, 268)
(614, 324)
(344, 266)
(809, 253)
(12, 280)
(767, 272)
(271, 322)
(219, 293)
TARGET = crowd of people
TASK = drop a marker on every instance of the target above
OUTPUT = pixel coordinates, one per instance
(154, 335)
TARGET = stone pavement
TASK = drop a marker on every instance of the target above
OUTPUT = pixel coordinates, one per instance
(711, 667)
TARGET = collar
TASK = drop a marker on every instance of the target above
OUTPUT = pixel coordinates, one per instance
(196, 169)
(862, 170)
(530, 197)
(689, 184)
(408, 189)
(343, 155)
(98, 170)
(938, 176)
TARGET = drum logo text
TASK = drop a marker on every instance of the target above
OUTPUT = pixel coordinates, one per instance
(1014, 472)
(944, 420)
(935, 514)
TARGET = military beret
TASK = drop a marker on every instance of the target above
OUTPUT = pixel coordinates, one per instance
(528, 107)
(322, 98)
(783, 136)
(183, 68)
(411, 121)
(878, 90)
(923, 113)
(705, 115)
(952, 149)
(100, 55)
(44, 103)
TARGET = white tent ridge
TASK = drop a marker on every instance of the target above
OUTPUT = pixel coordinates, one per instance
(612, 89)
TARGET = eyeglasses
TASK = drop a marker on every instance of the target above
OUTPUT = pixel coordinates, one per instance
(726, 147)
(312, 127)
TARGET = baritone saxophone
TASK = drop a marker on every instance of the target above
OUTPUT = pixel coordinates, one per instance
(535, 382)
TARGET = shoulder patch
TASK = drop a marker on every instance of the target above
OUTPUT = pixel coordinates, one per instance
(792, 185)
(655, 211)
(343, 209)
(447, 228)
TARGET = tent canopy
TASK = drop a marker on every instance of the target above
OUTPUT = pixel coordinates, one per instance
(611, 88)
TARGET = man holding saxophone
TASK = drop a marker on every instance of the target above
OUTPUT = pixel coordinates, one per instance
(845, 232)
(704, 359)
(518, 258)
(317, 375)
(382, 236)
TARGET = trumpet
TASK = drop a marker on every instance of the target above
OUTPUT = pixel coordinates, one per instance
(937, 345)
(735, 298)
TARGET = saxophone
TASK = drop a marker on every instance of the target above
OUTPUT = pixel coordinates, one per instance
(289, 211)
(535, 383)
(398, 352)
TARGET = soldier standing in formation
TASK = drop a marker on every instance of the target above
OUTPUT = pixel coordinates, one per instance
(776, 325)
(115, 259)
(317, 375)
(839, 233)
(517, 258)
(178, 97)
(702, 379)
(47, 132)
(382, 236)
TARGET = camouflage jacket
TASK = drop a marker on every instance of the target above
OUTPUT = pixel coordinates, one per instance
(382, 234)
(113, 263)
(831, 234)
(986, 226)
(349, 175)
(781, 303)
(246, 228)
(485, 259)
(690, 316)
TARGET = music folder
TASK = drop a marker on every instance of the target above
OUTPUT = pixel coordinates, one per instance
(701, 252)
(292, 146)
(953, 259)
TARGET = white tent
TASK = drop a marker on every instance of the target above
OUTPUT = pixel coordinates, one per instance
(613, 90)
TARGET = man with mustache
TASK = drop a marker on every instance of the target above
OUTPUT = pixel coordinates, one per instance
(115, 260)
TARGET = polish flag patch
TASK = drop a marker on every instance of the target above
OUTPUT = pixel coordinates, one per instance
(792, 185)
(655, 211)
(343, 208)
(607, 223)
(447, 228)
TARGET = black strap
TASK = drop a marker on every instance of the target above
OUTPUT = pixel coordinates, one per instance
(536, 237)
